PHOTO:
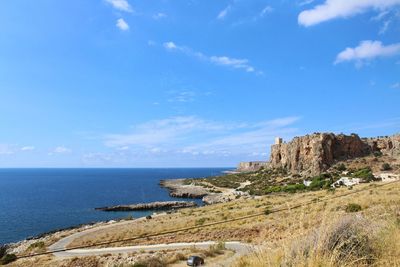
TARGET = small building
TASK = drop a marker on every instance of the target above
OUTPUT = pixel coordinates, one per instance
(346, 181)
(388, 176)
(307, 183)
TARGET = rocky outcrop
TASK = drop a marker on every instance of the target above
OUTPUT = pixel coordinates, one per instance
(177, 188)
(387, 145)
(313, 154)
(159, 205)
(251, 166)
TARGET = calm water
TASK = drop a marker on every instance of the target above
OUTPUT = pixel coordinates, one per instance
(33, 201)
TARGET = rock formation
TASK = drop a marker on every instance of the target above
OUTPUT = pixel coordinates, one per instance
(315, 153)
(177, 188)
(159, 205)
(251, 166)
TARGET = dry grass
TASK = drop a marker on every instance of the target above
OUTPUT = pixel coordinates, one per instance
(295, 237)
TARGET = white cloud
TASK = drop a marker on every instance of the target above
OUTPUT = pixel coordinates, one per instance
(266, 10)
(6, 149)
(122, 25)
(235, 63)
(384, 27)
(61, 150)
(159, 16)
(121, 5)
(196, 136)
(222, 14)
(367, 50)
(182, 96)
(395, 86)
(27, 148)
(232, 62)
(170, 45)
(332, 9)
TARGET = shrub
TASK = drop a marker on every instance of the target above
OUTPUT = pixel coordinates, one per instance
(377, 154)
(347, 240)
(365, 174)
(341, 167)
(386, 167)
(352, 207)
(7, 258)
(200, 221)
(3, 250)
(37, 245)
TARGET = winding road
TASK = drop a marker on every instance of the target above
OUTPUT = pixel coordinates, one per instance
(239, 248)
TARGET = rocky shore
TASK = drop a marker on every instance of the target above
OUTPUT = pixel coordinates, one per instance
(178, 189)
(159, 205)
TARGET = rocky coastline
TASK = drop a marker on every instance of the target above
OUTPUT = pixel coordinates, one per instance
(178, 189)
(158, 205)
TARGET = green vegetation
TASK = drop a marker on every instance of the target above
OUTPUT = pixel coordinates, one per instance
(37, 246)
(341, 167)
(386, 167)
(365, 174)
(200, 221)
(352, 207)
(7, 258)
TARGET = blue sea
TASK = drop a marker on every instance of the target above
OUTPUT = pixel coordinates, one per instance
(34, 201)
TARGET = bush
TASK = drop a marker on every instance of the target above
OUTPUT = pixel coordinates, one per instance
(37, 245)
(352, 207)
(6, 259)
(365, 174)
(377, 154)
(341, 167)
(386, 167)
(3, 250)
(347, 240)
(200, 221)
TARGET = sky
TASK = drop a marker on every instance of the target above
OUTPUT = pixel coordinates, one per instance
(190, 83)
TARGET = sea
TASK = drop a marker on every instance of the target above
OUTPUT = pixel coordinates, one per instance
(36, 201)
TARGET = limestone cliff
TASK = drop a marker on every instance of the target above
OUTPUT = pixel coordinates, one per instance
(251, 166)
(313, 154)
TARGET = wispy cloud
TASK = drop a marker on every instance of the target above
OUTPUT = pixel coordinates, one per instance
(9, 149)
(235, 63)
(196, 136)
(224, 12)
(121, 5)
(122, 24)
(367, 50)
(181, 96)
(159, 15)
(395, 86)
(27, 148)
(332, 9)
(61, 150)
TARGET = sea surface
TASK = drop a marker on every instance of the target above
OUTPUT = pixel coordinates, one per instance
(34, 201)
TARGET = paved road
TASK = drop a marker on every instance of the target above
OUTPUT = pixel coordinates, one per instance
(239, 248)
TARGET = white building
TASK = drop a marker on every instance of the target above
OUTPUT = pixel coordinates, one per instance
(347, 181)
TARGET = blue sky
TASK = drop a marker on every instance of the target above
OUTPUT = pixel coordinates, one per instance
(124, 83)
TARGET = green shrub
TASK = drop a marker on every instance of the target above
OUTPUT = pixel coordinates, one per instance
(36, 245)
(365, 174)
(200, 221)
(377, 154)
(3, 250)
(341, 167)
(386, 167)
(352, 207)
(6, 259)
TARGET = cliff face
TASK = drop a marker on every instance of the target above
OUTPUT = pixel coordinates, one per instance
(313, 154)
(251, 166)
(388, 145)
